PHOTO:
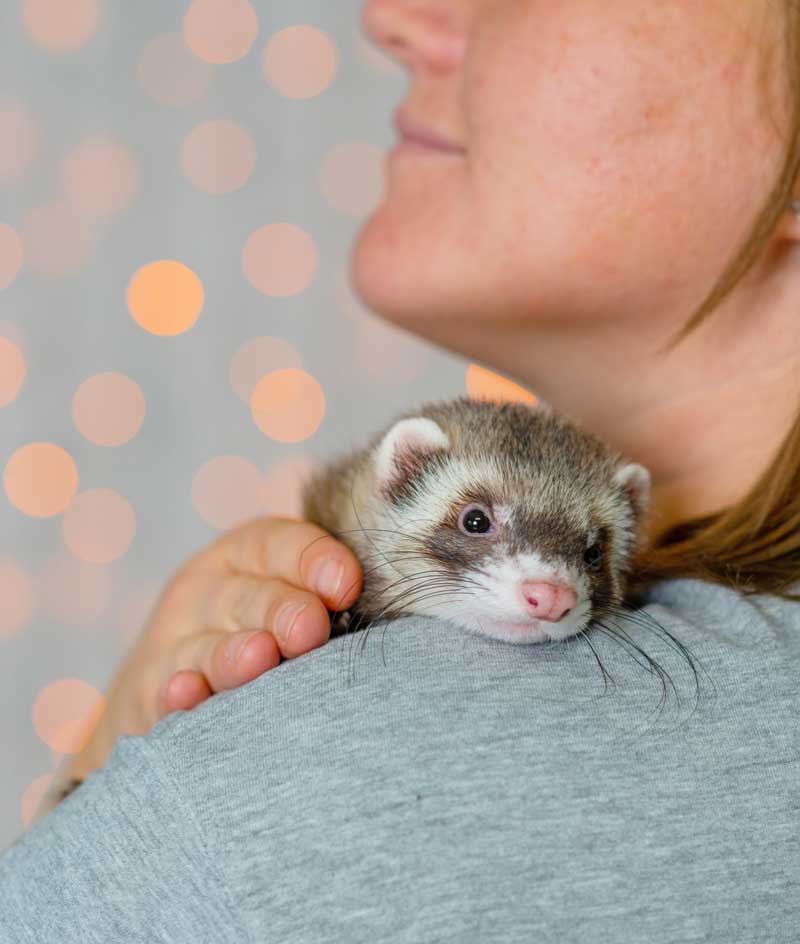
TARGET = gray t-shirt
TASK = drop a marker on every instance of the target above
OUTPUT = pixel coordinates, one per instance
(467, 790)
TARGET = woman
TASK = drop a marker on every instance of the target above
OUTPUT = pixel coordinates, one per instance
(616, 172)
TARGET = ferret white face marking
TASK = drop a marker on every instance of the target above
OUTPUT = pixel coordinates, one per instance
(509, 521)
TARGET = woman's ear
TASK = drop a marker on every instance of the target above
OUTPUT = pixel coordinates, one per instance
(402, 452)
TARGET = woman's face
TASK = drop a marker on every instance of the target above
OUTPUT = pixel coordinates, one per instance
(615, 153)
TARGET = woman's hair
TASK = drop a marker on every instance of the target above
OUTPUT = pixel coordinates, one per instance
(753, 545)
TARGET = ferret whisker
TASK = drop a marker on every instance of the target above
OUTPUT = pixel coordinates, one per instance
(618, 636)
(367, 571)
(450, 584)
(402, 556)
(358, 518)
(615, 634)
(644, 619)
(648, 621)
(409, 596)
(655, 666)
(366, 617)
(436, 574)
(411, 537)
(605, 631)
(605, 673)
(406, 597)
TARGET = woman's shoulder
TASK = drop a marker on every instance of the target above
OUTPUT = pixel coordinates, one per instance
(743, 620)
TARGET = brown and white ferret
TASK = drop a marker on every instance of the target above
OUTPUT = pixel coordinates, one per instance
(506, 519)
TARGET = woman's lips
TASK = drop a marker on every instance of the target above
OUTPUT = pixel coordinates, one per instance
(414, 146)
(416, 137)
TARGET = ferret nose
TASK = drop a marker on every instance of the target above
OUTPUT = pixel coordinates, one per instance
(548, 601)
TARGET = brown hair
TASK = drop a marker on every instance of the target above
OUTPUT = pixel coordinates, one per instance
(754, 545)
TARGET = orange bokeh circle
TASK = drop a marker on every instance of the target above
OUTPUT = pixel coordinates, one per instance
(41, 479)
(165, 297)
(288, 405)
(65, 712)
(483, 384)
(220, 31)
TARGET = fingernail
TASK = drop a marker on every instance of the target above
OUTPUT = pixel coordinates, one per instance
(234, 648)
(328, 576)
(287, 615)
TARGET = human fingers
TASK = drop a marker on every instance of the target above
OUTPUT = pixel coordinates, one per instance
(183, 691)
(220, 661)
(298, 552)
(244, 625)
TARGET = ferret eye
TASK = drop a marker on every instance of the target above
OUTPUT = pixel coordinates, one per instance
(475, 521)
(593, 557)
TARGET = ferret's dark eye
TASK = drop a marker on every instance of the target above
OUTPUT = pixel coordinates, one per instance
(475, 521)
(593, 557)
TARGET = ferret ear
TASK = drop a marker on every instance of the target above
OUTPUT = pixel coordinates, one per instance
(635, 479)
(403, 449)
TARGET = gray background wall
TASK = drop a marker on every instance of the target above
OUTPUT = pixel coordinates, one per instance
(75, 585)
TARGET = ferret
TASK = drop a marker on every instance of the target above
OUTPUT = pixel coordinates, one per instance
(506, 519)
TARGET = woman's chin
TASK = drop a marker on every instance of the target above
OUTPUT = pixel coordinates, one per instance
(375, 273)
(402, 275)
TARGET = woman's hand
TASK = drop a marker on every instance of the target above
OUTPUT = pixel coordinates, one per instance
(226, 616)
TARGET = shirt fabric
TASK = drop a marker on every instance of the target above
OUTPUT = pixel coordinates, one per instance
(417, 783)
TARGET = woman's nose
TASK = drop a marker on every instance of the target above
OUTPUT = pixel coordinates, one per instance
(423, 33)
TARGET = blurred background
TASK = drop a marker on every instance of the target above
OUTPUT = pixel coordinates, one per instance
(180, 184)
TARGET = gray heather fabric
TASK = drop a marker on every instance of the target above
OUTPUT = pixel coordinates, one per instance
(466, 791)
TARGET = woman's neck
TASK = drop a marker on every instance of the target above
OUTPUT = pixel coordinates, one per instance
(705, 419)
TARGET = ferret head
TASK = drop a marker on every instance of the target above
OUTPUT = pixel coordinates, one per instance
(517, 523)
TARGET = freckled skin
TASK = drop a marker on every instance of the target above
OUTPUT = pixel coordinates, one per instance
(615, 156)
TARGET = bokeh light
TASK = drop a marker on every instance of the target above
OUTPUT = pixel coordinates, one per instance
(99, 525)
(352, 177)
(257, 357)
(279, 259)
(483, 384)
(218, 156)
(288, 405)
(10, 255)
(220, 31)
(165, 297)
(227, 490)
(100, 177)
(12, 371)
(57, 239)
(41, 479)
(170, 73)
(283, 484)
(61, 26)
(299, 61)
(65, 712)
(72, 591)
(16, 592)
(108, 408)
(20, 134)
